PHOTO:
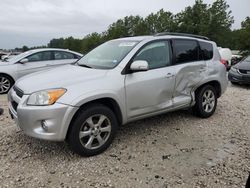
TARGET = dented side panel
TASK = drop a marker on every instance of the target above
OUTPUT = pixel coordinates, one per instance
(188, 76)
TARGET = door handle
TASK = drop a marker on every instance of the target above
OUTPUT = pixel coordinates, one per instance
(169, 75)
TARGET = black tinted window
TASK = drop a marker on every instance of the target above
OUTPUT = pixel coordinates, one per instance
(186, 51)
(156, 54)
(206, 50)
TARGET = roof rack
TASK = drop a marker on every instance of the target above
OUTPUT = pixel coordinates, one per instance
(182, 34)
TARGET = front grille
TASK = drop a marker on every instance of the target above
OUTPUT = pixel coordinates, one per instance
(244, 71)
(18, 91)
(14, 105)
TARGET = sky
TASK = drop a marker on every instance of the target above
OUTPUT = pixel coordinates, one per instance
(36, 22)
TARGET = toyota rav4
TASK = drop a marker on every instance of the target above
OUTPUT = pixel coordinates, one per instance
(120, 81)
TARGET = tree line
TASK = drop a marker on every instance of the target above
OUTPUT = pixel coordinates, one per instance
(211, 20)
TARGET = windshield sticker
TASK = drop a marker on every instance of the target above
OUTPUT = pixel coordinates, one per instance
(127, 44)
(115, 61)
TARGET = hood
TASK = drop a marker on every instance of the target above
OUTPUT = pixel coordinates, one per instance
(6, 63)
(60, 77)
(245, 65)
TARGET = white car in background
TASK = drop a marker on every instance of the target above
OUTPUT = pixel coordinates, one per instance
(226, 55)
(33, 61)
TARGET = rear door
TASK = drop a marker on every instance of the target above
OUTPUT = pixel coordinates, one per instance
(151, 91)
(63, 58)
(36, 62)
(190, 69)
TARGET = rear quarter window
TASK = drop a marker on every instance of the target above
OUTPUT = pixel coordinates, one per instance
(206, 50)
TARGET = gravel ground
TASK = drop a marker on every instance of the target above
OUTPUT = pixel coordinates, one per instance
(171, 150)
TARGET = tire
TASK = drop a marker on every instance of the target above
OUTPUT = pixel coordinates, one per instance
(205, 101)
(6, 82)
(93, 130)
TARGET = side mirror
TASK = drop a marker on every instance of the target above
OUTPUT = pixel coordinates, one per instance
(23, 61)
(139, 65)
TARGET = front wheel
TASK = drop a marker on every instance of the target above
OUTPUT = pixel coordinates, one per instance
(5, 84)
(93, 130)
(206, 101)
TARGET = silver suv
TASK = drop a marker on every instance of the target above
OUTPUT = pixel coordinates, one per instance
(120, 81)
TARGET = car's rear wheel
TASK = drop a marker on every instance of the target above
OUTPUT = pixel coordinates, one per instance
(206, 101)
(5, 83)
(93, 130)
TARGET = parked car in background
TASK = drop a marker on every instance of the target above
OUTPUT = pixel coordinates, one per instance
(9, 55)
(2, 53)
(236, 59)
(226, 56)
(120, 81)
(240, 73)
(33, 61)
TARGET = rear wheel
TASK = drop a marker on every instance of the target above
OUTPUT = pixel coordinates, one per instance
(93, 130)
(5, 83)
(206, 101)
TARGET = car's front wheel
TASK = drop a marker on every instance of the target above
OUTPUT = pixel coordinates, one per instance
(206, 101)
(93, 130)
(5, 83)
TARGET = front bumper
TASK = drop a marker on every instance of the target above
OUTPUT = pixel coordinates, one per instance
(31, 119)
(239, 78)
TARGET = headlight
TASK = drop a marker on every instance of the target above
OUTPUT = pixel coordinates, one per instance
(234, 69)
(46, 97)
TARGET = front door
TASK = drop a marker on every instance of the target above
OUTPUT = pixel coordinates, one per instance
(63, 58)
(36, 62)
(151, 91)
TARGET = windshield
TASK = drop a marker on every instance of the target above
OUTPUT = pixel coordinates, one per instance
(19, 57)
(107, 55)
(247, 58)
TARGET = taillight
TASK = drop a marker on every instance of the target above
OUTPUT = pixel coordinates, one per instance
(224, 62)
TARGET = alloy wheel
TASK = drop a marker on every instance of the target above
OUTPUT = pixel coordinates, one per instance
(4, 85)
(208, 101)
(95, 131)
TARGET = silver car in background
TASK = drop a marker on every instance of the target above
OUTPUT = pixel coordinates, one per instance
(33, 61)
(120, 81)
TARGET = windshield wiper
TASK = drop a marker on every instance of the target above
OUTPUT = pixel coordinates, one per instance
(84, 65)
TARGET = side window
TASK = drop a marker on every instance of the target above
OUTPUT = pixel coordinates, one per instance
(186, 51)
(206, 50)
(40, 56)
(157, 54)
(77, 57)
(63, 55)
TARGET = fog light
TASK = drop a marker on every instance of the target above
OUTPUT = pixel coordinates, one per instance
(44, 125)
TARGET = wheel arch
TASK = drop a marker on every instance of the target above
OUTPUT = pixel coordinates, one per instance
(216, 84)
(8, 75)
(106, 101)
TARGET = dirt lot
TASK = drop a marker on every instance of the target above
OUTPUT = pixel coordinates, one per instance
(172, 150)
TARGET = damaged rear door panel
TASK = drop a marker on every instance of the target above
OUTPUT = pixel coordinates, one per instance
(190, 70)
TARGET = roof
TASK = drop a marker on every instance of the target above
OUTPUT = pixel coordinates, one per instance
(165, 36)
(137, 38)
(50, 49)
